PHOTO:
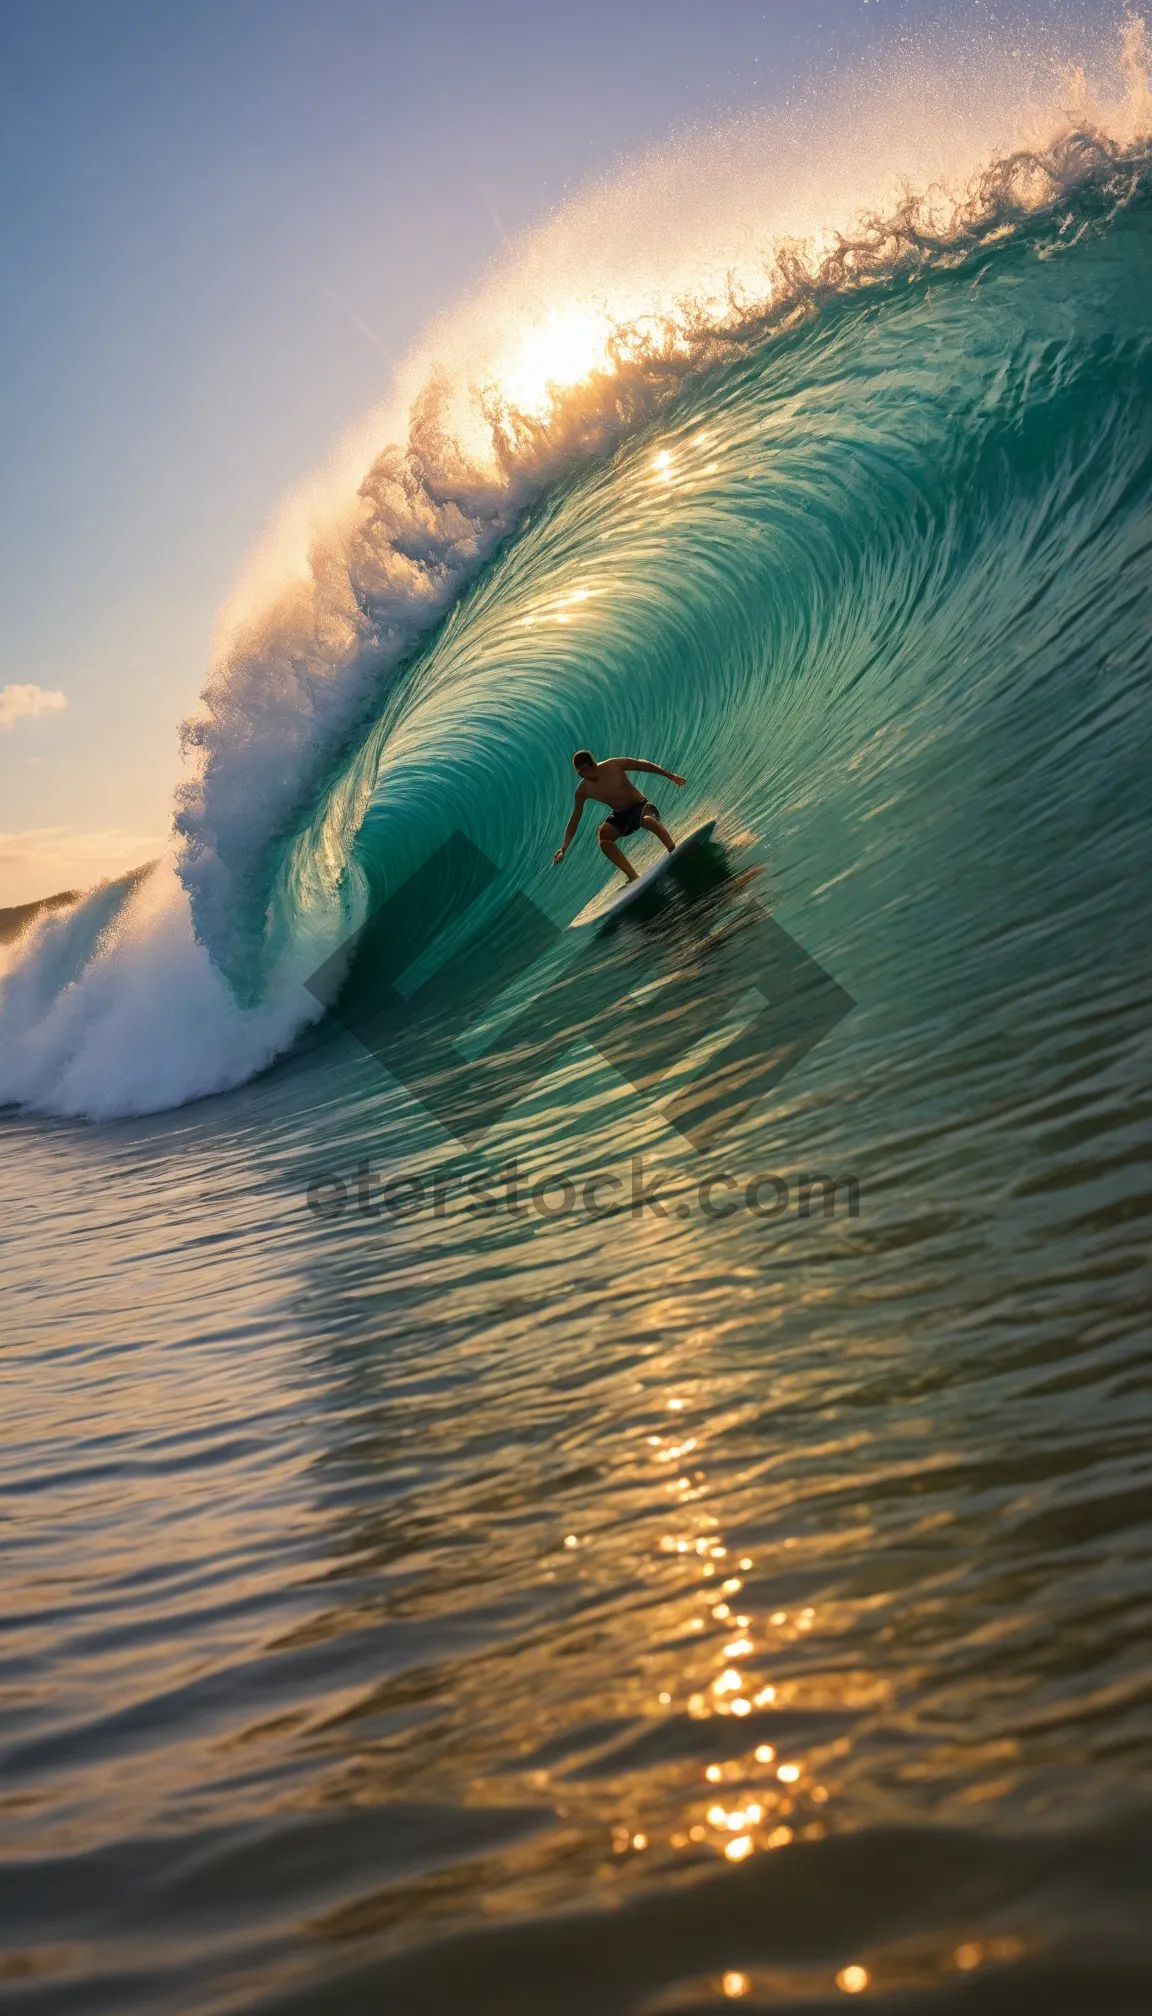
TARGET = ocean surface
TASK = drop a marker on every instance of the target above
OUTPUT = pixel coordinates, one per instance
(649, 1505)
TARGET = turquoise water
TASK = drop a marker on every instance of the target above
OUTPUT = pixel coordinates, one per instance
(415, 1610)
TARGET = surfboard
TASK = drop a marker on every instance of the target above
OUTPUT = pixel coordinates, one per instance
(610, 903)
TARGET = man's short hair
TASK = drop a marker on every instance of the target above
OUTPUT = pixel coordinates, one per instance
(583, 756)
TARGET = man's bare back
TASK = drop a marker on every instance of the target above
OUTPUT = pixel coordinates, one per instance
(608, 783)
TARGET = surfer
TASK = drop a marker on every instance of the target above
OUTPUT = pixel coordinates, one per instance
(608, 783)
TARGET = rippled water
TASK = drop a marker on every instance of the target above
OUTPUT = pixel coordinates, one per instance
(512, 1612)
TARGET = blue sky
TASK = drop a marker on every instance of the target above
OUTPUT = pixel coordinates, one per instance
(223, 223)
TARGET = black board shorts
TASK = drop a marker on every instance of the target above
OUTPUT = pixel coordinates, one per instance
(627, 819)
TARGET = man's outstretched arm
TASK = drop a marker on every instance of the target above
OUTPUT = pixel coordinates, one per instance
(570, 829)
(654, 769)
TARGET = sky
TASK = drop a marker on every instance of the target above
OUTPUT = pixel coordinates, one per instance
(224, 224)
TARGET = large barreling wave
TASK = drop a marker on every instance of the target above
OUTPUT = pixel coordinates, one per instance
(800, 451)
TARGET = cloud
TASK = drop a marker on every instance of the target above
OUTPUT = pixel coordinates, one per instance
(20, 703)
(49, 858)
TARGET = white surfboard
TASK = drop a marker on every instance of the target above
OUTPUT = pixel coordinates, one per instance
(611, 901)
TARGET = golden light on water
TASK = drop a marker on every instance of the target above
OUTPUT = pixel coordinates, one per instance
(749, 1824)
(975, 1952)
(756, 1816)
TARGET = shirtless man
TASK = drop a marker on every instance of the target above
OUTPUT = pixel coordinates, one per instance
(608, 783)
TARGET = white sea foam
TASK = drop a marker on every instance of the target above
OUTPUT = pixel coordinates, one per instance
(114, 1007)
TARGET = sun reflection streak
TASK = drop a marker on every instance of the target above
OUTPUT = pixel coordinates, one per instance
(762, 1816)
